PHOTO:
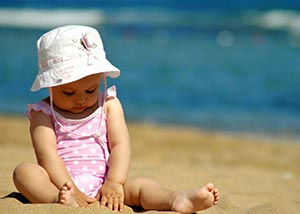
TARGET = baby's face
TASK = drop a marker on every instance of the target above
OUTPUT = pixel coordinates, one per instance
(78, 96)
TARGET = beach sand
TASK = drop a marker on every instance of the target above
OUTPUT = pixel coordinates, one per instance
(254, 173)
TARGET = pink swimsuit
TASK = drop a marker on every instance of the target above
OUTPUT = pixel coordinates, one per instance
(82, 145)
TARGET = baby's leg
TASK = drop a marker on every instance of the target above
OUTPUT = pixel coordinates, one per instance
(33, 182)
(152, 196)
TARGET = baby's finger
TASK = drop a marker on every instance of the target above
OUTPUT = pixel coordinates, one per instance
(103, 201)
(121, 203)
(98, 196)
(116, 202)
(110, 203)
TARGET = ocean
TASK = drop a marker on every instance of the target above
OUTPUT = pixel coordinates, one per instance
(229, 66)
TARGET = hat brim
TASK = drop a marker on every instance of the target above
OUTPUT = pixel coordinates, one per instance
(73, 71)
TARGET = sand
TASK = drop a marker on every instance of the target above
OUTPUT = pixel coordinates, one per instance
(254, 173)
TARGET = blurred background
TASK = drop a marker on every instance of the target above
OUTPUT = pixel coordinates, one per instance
(229, 65)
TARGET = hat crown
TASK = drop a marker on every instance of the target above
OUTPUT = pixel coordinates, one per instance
(65, 43)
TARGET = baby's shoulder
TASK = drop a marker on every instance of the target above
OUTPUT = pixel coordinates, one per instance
(112, 105)
(39, 116)
(42, 106)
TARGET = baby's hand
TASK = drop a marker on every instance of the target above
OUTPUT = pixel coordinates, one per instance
(111, 194)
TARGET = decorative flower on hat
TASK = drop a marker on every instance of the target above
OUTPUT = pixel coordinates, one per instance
(85, 42)
(88, 47)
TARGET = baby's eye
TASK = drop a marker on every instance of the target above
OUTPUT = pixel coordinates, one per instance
(68, 93)
(90, 91)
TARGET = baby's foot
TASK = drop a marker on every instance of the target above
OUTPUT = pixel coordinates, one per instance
(195, 200)
(66, 195)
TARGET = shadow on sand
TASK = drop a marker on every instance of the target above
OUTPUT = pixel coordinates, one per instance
(17, 196)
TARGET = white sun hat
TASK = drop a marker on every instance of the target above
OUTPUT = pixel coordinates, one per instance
(69, 53)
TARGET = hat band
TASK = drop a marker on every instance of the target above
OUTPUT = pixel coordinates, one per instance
(89, 52)
(56, 60)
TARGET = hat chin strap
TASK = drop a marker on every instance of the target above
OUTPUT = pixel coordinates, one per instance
(54, 113)
(52, 108)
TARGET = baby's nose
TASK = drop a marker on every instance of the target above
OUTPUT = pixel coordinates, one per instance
(80, 99)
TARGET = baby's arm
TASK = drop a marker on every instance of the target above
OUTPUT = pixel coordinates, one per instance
(119, 142)
(44, 143)
(119, 161)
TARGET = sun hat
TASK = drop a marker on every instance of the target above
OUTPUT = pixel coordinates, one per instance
(69, 53)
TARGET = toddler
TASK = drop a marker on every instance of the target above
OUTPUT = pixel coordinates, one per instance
(80, 137)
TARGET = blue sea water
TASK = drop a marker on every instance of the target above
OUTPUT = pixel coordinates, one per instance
(231, 67)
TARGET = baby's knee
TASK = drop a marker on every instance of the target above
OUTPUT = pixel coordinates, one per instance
(23, 170)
